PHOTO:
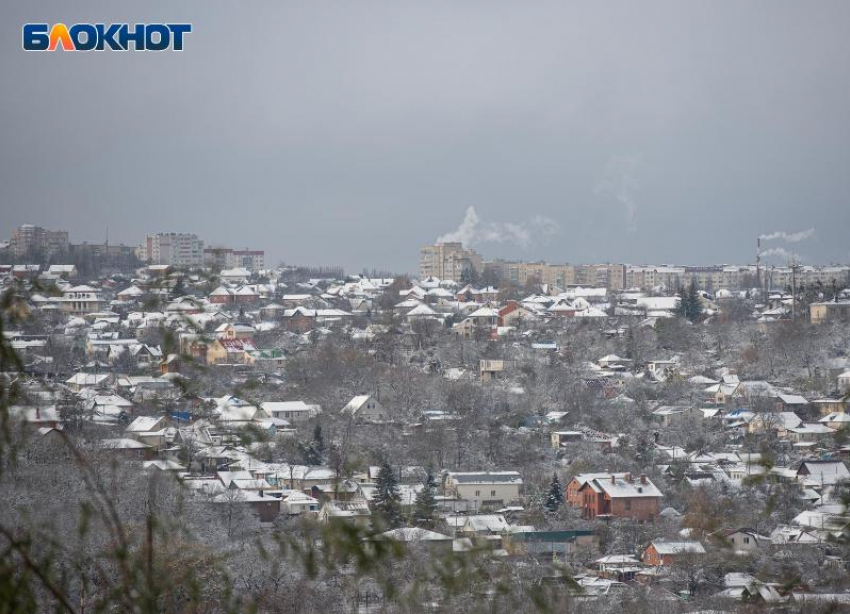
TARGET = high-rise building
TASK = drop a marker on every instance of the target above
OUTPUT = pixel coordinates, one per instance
(173, 248)
(29, 240)
(448, 261)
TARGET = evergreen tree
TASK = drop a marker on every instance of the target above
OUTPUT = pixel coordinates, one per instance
(426, 502)
(70, 411)
(314, 452)
(694, 302)
(319, 442)
(387, 500)
(179, 288)
(690, 303)
(555, 498)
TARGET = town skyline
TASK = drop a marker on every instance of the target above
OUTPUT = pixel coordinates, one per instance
(769, 247)
(684, 148)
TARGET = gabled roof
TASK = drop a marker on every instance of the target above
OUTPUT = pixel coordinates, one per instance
(620, 488)
(678, 547)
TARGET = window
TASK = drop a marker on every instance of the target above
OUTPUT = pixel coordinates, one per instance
(477, 493)
(628, 504)
(746, 540)
(492, 493)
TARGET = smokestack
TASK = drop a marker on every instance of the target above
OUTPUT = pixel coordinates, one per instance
(643, 479)
(758, 261)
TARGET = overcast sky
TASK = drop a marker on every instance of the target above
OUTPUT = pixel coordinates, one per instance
(353, 132)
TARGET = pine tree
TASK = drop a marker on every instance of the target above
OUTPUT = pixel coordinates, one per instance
(387, 501)
(555, 498)
(426, 502)
(690, 304)
(694, 302)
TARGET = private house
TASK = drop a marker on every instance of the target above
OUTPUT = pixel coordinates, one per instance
(836, 420)
(791, 403)
(807, 434)
(619, 567)
(36, 416)
(740, 540)
(774, 422)
(514, 314)
(825, 407)
(354, 513)
(660, 553)
(492, 369)
(127, 448)
(483, 524)
(418, 537)
(822, 472)
(296, 503)
(151, 430)
(574, 485)
(79, 381)
(229, 351)
(550, 544)
(661, 370)
(65, 271)
(669, 415)
(300, 319)
(484, 488)
(621, 497)
(561, 438)
(234, 331)
(291, 411)
(365, 408)
(484, 318)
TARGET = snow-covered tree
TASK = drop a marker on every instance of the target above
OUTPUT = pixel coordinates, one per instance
(555, 498)
(387, 498)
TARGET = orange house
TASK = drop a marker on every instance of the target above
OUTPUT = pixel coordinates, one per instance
(622, 497)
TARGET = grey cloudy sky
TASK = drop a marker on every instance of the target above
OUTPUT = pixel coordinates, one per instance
(353, 132)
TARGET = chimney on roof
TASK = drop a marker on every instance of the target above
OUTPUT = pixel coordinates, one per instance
(628, 477)
(643, 479)
(260, 490)
(613, 479)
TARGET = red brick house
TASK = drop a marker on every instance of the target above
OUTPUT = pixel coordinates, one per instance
(572, 490)
(623, 497)
(666, 553)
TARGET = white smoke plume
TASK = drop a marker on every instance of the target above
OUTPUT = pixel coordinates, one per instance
(620, 182)
(473, 231)
(789, 237)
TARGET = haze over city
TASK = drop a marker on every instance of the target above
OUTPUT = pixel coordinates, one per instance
(350, 134)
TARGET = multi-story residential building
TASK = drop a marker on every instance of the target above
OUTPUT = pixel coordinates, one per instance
(448, 261)
(520, 273)
(28, 240)
(173, 248)
(227, 258)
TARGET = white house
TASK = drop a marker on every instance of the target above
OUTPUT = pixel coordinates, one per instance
(366, 408)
